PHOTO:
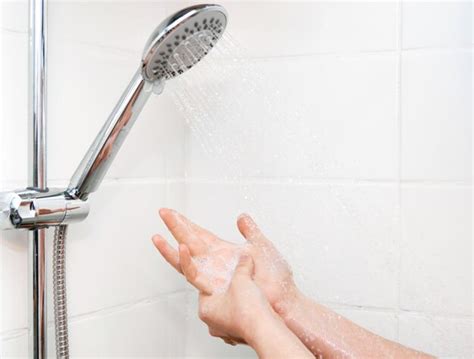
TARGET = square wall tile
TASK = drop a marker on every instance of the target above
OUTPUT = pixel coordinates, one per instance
(216, 206)
(110, 256)
(436, 258)
(436, 24)
(436, 115)
(14, 15)
(13, 280)
(14, 347)
(308, 27)
(304, 117)
(472, 27)
(340, 240)
(149, 329)
(141, 18)
(14, 121)
(123, 25)
(439, 336)
(175, 195)
(337, 119)
(153, 328)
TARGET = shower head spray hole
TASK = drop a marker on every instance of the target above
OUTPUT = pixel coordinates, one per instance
(182, 40)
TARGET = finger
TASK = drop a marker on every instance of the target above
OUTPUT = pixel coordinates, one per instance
(183, 230)
(215, 332)
(229, 341)
(190, 271)
(245, 266)
(249, 228)
(169, 253)
(238, 341)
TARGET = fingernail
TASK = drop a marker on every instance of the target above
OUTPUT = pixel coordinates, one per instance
(243, 216)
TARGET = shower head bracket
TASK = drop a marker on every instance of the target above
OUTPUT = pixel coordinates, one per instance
(31, 209)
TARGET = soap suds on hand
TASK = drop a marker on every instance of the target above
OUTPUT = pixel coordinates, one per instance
(218, 269)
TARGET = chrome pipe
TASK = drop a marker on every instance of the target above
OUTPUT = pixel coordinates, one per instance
(37, 95)
(37, 175)
(38, 321)
(101, 153)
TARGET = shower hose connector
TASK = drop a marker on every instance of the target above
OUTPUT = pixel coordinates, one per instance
(32, 209)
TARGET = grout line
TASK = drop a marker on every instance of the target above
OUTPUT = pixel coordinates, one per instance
(287, 181)
(398, 97)
(354, 53)
(438, 48)
(121, 307)
(315, 181)
(128, 52)
(12, 334)
(13, 31)
(396, 311)
(15, 333)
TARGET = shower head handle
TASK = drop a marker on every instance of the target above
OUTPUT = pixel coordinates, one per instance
(175, 46)
(101, 153)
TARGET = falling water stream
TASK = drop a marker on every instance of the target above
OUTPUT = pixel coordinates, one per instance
(242, 119)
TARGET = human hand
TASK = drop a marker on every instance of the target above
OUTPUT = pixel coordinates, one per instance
(217, 258)
(242, 314)
(233, 314)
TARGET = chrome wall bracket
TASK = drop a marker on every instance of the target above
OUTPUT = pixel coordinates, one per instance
(32, 209)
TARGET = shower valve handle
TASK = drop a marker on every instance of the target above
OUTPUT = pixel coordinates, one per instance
(30, 209)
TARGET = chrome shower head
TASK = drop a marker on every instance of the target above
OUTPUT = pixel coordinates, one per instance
(176, 45)
(182, 40)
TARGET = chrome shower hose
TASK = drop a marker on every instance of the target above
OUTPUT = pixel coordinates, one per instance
(59, 289)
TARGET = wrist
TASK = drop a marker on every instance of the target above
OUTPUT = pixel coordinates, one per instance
(285, 306)
(261, 328)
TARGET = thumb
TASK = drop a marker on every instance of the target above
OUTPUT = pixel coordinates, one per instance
(245, 266)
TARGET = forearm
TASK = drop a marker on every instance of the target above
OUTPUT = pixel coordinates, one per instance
(328, 334)
(270, 338)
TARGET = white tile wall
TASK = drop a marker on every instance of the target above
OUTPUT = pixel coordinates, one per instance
(346, 130)
(443, 336)
(437, 247)
(313, 27)
(14, 274)
(14, 106)
(436, 115)
(152, 328)
(436, 24)
(324, 103)
(347, 233)
(110, 249)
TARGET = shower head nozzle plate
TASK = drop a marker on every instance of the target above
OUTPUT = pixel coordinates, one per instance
(182, 40)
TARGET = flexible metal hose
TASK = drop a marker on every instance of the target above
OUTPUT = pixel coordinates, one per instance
(59, 289)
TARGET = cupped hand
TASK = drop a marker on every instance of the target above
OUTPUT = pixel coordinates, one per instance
(215, 259)
(231, 314)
